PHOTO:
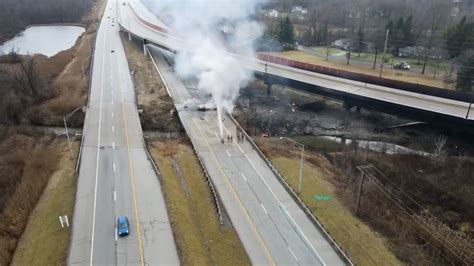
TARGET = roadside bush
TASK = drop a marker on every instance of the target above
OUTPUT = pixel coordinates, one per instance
(24, 173)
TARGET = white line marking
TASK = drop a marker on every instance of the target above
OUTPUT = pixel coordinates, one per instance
(292, 253)
(116, 234)
(243, 176)
(228, 153)
(298, 229)
(112, 114)
(216, 134)
(98, 151)
(263, 207)
(112, 102)
(114, 167)
(113, 145)
(113, 128)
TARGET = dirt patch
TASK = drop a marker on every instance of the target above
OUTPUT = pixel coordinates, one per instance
(159, 112)
(199, 237)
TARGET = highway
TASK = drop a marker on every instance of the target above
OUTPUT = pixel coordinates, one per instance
(271, 226)
(115, 176)
(153, 31)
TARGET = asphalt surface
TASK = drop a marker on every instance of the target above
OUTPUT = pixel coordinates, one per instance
(271, 226)
(116, 177)
(404, 98)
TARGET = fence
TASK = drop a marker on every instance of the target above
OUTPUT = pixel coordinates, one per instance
(293, 194)
(390, 83)
(89, 86)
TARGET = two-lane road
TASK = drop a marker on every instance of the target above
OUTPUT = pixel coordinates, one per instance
(273, 229)
(116, 177)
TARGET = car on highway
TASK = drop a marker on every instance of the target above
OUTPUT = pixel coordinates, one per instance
(123, 226)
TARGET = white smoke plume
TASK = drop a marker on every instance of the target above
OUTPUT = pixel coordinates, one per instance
(215, 28)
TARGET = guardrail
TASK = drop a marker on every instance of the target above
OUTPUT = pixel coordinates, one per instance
(214, 193)
(293, 194)
(211, 185)
(89, 86)
(380, 81)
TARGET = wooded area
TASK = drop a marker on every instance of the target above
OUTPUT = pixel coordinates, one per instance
(15, 15)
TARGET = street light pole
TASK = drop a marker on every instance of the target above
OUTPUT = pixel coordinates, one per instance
(65, 118)
(300, 179)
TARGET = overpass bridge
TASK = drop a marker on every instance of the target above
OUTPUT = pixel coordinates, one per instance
(139, 21)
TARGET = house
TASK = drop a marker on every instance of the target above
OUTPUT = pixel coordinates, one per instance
(299, 10)
(344, 44)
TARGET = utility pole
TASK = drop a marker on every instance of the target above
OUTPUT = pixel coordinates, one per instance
(375, 59)
(362, 169)
(384, 51)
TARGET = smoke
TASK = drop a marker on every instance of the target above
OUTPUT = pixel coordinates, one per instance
(215, 28)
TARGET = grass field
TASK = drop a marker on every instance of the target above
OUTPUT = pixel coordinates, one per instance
(44, 242)
(406, 76)
(363, 245)
(201, 240)
(332, 51)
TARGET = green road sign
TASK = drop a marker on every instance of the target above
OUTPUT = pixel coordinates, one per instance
(322, 197)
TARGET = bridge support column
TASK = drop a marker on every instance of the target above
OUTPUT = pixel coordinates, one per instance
(347, 106)
(269, 85)
(269, 89)
(144, 47)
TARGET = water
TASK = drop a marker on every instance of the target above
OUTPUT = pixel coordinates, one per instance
(47, 40)
(377, 146)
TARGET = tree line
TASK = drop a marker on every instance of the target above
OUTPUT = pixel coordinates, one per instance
(436, 29)
(15, 15)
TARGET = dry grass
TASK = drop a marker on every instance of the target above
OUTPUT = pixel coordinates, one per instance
(34, 160)
(158, 109)
(44, 242)
(199, 237)
(363, 245)
(406, 76)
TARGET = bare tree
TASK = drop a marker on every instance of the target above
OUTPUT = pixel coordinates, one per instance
(440, 151)
(26, 75)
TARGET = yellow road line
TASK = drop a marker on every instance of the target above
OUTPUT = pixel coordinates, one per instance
(267, 253)
(132, 177)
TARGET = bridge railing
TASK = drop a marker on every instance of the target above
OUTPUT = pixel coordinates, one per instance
(89, 86)
(214, 193)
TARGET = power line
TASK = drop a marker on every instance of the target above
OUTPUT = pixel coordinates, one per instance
(410, 212)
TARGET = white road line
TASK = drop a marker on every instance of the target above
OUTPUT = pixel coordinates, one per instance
(112, 102)
(292, 253)
(113, 128)
(243, 176)
(216, 134)
(98, 151)
(263, 207)
(115, 196)
(116, 234)
(112, 114)
(298, 229)
(114, 167)
(228, 153)
(113, 145)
